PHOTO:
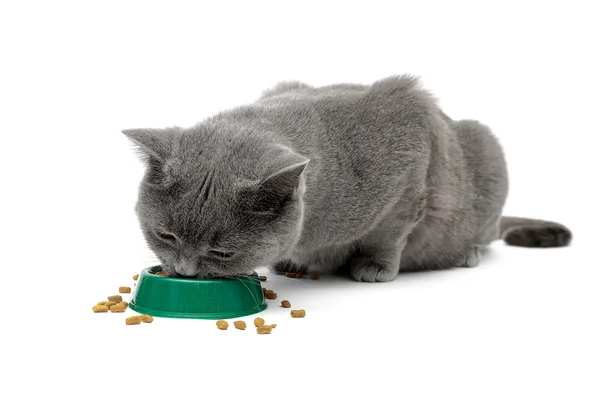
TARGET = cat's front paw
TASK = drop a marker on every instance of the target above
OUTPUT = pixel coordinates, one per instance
(286, 266)
(366, 270)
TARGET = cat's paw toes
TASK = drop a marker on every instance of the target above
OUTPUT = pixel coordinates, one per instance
(365, 270)
(472, 258)
(285, 266)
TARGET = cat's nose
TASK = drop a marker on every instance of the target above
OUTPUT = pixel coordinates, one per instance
(186, 268)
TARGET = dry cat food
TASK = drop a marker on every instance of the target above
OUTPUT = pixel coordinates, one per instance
(314, 277)
(240, 325)
(109, 304)
(265, 329)
(101, 303)
(286, 304)
(118, 308)
(297, 313)
(147, 318)
(299, 274)
(259, 322)
(262, 278)
(99, 308)
(116, 298)
(290, 274)
(271, 295)
(161, 273)
(124, 289)
(222, 325)
(135, 320)
(136, 276)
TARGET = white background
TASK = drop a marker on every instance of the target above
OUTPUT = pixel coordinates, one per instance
(523, 325)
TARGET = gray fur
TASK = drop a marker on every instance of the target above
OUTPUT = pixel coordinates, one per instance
(373, 178)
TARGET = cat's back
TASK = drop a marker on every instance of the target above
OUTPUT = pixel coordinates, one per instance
(367, 146)
(349, 116)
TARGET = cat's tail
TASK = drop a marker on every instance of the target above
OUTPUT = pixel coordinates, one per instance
(527, 232)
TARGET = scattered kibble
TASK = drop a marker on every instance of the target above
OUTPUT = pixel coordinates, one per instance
(299, 274)
(136, 276)
(297, 313)
(116, 298)
(262, 278)
(124, 289)
(239, 325)
(271, 295)
(147, 318)
(290, 274)
(258, 322)
(161, 273)
(286, 304)
(222, 325)
(109, 304)
(135, 320)
(118, 308)
(262, 330)
(99, 308)
(314, 277)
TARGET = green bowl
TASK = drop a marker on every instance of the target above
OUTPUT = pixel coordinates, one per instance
(162, 296)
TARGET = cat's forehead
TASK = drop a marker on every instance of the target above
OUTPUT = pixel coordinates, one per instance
(226, 156)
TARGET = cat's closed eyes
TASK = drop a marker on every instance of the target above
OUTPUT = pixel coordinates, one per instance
(374, 178)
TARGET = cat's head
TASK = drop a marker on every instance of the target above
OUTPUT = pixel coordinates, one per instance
(217, 204)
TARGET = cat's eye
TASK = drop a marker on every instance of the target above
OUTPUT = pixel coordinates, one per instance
(167, 237)
(221, 254)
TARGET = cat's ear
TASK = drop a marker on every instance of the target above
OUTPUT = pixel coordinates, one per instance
(281, 186)
(153, 143)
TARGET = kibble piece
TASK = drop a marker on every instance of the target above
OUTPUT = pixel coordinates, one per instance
(124, 289)
(262, 330)
(314, 277)
(135, 320)
(118, 308)
(271, 295)
(299, 274)
(99, 308)
(147, 318)
(161, 273)
(297, 313)
(259, 322)
(222, 325)
(273, 326)
(123, 303)
(262, 278)
(290, 274)
(101, 303)
(116, 298)
(286, 304)
(240, 325)
(109, 304)
(136, 276)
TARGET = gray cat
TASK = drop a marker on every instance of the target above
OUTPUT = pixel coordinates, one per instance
(375, 179)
